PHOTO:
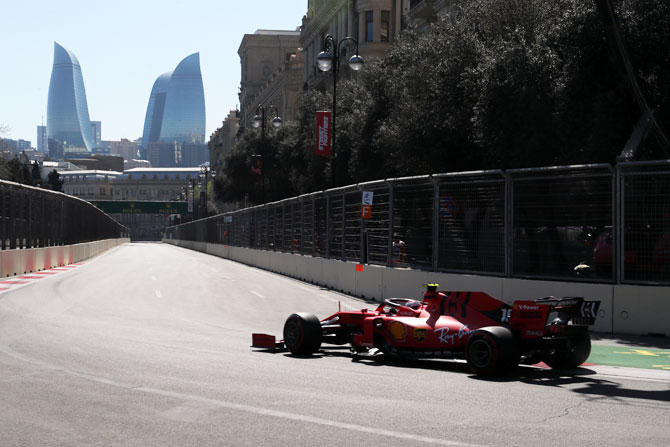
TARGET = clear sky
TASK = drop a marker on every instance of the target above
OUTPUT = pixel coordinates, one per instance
(123, 46)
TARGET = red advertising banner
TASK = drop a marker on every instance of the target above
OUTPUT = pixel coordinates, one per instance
(323, 131)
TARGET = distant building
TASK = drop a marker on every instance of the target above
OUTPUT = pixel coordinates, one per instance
(124, 148)
(59, 166)
(97, 132)
(16, 146)
(176, 111)
(223, 139)
(42, 139)
(194, 154)
(166, 155)
(141, 184)
(130, 164)
(69, 130)
(262, 55)
(34, 155)
(99, 162)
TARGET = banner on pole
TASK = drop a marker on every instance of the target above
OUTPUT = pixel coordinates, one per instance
(323, 133)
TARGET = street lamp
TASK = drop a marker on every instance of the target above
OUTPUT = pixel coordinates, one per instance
(329, 59)
(259, 119)
(204, 171)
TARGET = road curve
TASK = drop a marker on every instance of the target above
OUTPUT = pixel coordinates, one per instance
(148, 345)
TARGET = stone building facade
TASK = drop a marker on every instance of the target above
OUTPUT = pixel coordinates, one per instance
(262, 55)
(375, 24)
(221, 141)
(142, 184)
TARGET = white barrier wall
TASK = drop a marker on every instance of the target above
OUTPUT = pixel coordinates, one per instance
(624, 309)
(27, 260)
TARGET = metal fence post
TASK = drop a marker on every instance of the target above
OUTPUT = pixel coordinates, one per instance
(509, 224)
(313, 224)
(343, 255)
(327, 226)
(436, 224)
(389, 242)
(618, 225)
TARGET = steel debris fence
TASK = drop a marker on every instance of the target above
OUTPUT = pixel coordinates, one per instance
(34, 217)
(591, 223)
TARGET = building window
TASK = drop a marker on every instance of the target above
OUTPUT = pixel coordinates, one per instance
(368, 26)
(385, 26)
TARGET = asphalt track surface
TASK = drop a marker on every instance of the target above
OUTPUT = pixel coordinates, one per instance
(148, 345)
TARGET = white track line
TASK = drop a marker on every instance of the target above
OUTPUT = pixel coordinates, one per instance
(235, 406)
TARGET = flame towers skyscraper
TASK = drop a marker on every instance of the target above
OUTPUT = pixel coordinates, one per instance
(176, 110)
(69, 131)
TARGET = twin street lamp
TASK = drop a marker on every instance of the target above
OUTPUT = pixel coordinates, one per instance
(259, 119)
(329, 59)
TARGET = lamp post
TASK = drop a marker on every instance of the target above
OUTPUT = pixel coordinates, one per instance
(204, 171)
(259, 119)
(329, 59)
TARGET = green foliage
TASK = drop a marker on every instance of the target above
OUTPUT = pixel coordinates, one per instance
(500, 84)
(54, 182)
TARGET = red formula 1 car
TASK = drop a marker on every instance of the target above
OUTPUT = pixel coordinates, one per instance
(491, 335)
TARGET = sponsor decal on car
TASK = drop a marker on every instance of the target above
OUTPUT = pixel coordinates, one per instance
(450, 338)
(398, 331)
(534, 333)
(419, 334)
(526, 307)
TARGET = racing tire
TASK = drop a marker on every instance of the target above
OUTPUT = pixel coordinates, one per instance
(492, 351)
(302, 333)
(572, 357)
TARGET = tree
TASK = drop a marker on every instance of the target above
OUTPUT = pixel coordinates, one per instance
(54, 181)
(499, 84)
(36, 174)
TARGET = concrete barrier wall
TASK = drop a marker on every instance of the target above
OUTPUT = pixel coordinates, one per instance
(27, 260)
(624, 309)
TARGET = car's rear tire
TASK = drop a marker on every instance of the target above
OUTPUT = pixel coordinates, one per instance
(572, 357)
(492, 351)
(302, 333)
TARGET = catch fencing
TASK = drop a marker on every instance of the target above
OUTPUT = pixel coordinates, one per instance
(593, 223)
(33, 217)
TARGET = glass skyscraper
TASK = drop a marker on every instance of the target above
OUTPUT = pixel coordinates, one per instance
(176, 110)
(69, 131)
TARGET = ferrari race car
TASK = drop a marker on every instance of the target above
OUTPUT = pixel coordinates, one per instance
(491, 335)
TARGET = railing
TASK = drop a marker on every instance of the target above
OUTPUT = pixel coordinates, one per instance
(33, 217)
(591, 223)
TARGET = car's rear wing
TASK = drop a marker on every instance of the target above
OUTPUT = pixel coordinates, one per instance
(576, 309)
(534, 318)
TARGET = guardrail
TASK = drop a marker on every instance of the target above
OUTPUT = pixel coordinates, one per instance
(591, 223)
(33, 217)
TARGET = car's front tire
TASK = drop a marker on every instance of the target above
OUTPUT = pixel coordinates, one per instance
(492, 351)
(302, 333)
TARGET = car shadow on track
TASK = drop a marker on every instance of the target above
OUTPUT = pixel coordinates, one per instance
(592, 386)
